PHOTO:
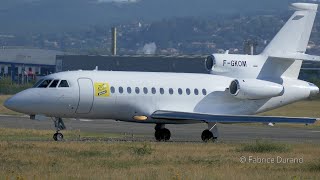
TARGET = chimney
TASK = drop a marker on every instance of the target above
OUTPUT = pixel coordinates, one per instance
(250, 47)
(114, 41)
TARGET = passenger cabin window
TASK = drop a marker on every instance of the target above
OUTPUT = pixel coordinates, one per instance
(145, 90)
(120, 90)
(196, 91)
(204, 91)
(54, 83)
(129, 90)
(137, 90)
(153, 90)
(45, 83)
(170, 91)
(63, 83)
(112, 89)
(180, 91)
(188, 91)
(161, 91)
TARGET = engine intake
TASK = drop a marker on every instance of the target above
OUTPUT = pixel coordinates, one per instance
(210, 62)
(254, 89)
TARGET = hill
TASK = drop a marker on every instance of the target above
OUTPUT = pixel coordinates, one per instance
(38, 16)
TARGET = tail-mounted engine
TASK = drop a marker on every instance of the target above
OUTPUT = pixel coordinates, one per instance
(254, 89)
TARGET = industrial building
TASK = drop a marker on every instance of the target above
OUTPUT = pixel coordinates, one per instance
(153, 63)
(22, 64)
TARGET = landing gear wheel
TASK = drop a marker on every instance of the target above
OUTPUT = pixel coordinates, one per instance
(207, 136)
(166, 134)
(58, 136)
(162, 134)
(59, 125)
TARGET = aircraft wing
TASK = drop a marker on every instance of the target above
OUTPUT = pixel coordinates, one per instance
(174, 115)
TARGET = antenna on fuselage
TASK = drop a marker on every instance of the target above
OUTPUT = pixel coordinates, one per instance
(96, 69)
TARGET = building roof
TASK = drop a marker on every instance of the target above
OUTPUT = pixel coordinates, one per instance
(29, 56)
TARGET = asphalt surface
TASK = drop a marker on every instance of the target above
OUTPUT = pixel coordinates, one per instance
(179, 133)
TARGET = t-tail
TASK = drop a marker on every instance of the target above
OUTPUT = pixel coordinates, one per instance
(283, 56)
(288, 47)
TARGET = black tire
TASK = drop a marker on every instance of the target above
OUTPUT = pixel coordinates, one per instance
(207, 136)
(59, 137)
(158, 134)
(166, 134)
(55, 136)
(162, 134)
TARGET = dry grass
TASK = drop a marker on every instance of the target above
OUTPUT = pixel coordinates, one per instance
(308, 108)
(101, 160)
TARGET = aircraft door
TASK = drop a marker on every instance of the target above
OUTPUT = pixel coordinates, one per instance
(86, 92)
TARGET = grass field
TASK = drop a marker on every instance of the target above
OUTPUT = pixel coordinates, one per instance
(146, 160)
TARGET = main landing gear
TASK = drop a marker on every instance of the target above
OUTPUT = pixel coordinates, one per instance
(59, 125)
(210, 134)
(162, 133)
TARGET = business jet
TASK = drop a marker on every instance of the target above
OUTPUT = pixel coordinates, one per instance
(238, 87)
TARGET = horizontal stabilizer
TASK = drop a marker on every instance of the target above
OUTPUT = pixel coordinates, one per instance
(173, 115)
(297, 56)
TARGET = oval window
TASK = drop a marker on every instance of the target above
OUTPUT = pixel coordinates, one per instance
(120, 90)
(145, 90)
(204, 91)
(129, 90)
(188, 91)
(196, 91)
(153, 90)
(161, 91)
(137, 90)
(112, 89)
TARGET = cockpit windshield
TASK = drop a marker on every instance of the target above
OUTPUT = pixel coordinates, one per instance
(37, 84)
(45, 83)
(51, 83)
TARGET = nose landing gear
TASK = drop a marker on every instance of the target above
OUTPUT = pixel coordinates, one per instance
(59, 125)
(58, 136)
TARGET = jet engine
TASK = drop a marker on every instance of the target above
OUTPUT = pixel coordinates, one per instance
(254, 89)
(210, 61)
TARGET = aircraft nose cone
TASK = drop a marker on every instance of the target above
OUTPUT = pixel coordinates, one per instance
(18, 102)
(10, 104)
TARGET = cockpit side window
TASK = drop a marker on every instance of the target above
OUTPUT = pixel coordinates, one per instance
(37, 84)
(45, 83)
(63, 83)
(54, 83)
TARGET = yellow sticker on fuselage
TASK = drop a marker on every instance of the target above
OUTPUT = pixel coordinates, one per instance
(102, 89)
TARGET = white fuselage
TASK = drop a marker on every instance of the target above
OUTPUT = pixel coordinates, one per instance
(83, 98)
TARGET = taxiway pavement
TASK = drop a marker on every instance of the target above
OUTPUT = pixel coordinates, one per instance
(180, 133)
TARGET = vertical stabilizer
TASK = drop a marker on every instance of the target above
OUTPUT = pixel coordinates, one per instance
(294, 35)
(293, 38)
